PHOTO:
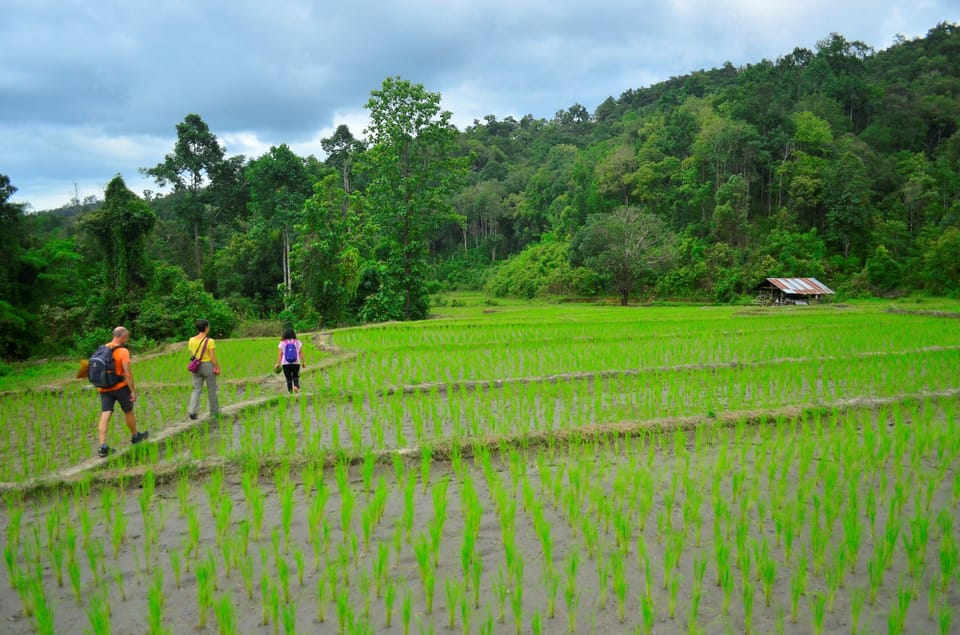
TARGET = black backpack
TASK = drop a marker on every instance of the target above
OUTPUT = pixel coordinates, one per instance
(102, 371)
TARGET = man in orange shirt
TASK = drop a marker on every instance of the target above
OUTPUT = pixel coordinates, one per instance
(121, 392)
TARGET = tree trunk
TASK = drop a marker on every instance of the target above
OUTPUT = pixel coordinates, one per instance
(286, 269)
(196, 247)
(406, 269)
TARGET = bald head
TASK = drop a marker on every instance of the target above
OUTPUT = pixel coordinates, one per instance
(120, 332)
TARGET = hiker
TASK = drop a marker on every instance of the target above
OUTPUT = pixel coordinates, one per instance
(204, 348)
(291, 356)
(122, 392)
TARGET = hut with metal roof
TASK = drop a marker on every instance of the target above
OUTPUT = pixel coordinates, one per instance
(791, 290)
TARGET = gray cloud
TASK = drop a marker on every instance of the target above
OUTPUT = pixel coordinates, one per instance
(89, 90)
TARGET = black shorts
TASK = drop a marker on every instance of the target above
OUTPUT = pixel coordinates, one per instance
(120, 395)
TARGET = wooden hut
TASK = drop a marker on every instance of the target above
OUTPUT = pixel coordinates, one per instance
(791, 290)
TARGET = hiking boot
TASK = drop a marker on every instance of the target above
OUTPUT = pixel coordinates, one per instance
(140, 436)
(104, 450)
(192, 416)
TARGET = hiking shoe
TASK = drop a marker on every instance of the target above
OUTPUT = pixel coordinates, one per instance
(104, 450)
(140, 436)
(192, 416)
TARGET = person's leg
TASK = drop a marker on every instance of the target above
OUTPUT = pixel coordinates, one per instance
(131, 421)
(296, 377)
(107, 401)
(288, 375)
(212, 392)
(195, 395)
(102, 426)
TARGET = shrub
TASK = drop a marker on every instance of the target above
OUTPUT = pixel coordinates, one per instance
(883, 272)
(173, 304)
(942, 264)
(538, 270)
(17, 328)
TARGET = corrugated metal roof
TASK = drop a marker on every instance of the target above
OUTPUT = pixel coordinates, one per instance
(801, 286)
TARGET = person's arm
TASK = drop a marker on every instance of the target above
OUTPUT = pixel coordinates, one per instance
(128, 377)
(213, 358)
(280, 355)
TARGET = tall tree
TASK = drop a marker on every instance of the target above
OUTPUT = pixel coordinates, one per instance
(483, 207)
(11, 217)
(195, 160)
(412, 170)
(279, 184)
(16, 323)
(327, 262)
(342, 150)
(623, 246)
(730, 223)
(846, 194)
(120, 229)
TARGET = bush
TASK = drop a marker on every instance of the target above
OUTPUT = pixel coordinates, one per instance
(537, 271)
(86, 342)
(173, 304)
(683, 282)
(259, 328)
(882, 272)
(942, 264)
(728, 287)
(462, 271)
(17, 331)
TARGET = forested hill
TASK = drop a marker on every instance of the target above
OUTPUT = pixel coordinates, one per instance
(840, 163)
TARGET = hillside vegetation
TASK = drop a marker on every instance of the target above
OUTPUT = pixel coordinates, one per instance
(840, 163)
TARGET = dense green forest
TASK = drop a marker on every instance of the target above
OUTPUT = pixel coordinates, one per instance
(841, 163)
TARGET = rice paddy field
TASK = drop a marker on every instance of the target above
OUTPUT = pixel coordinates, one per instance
(507, 468)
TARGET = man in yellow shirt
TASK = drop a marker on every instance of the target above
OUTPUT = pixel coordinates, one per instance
(204, 347)
(122, 392)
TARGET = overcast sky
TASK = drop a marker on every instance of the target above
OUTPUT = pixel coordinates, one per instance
(91, 89)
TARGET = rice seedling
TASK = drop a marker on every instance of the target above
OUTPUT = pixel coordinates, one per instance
(570, 594)
(647, 609)
(98, 613)
(205, 588)
(405, 612)
(289, 617)
(819, 609)
(949, 560)
(322, 598)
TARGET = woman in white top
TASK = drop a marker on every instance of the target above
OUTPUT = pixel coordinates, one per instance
(290, 357)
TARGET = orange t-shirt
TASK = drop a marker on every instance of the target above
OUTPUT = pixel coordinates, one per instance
(120, 355)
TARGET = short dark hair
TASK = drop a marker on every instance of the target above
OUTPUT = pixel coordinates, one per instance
(288, 334)
(202, 325)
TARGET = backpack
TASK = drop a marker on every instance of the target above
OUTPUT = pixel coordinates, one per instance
(102, 371)
(290, 352)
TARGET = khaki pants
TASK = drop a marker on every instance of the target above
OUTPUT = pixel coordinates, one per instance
(205, 374)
